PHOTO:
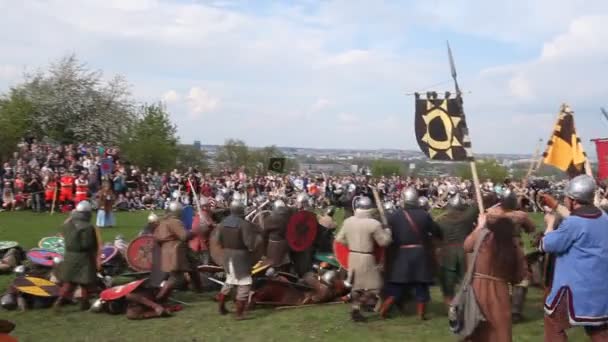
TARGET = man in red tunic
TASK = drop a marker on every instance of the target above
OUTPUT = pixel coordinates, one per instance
(67, 187)
(82, 188)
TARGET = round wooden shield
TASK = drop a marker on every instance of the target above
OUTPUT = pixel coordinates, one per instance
(108, 253)
(118, 292)
(36, 287)
(215, 249)
(341, 252)
(53, 243)
(42, 257)
(139, 253)
(4, 245)
(301, 230)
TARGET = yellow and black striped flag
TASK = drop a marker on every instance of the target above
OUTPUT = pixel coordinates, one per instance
(564, 148)
(441, 129)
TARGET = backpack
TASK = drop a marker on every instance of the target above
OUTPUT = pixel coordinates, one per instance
(464, 314)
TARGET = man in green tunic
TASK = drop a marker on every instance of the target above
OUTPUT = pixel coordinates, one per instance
(455, 225)
(79, 266)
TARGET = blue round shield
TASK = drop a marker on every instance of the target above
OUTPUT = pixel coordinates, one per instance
(187, 217)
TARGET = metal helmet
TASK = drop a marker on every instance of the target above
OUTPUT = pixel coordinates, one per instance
(175, 195)
(330, 211)
(237, 208)
(582, 189)
(389, 206)
(152, 218)
(329, 277)
(175, 208)
(278, 204)
(352, 187)
(97, 306)
(8, 301)
(259, 200)
(237, 196)
(302, 201)
(455, 202)
(423, 202)
(19, 271)
(84, 207)
(409, 197)
(508, 199)
(364, 203)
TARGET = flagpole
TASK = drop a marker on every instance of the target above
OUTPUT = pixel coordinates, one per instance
(476, 182)
(533, 163)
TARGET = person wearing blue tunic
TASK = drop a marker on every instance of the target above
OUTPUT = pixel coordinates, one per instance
(579, 291)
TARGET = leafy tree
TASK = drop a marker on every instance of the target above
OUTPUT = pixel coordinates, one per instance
(233, 155)
(151, 141)
(385, 167)
(190, 156)
(15, 120)
(73, 103)
(486, 169)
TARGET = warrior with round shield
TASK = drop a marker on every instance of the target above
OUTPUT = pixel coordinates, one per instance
(361, 233)
(275, 225)
(172, 237)
(238, 238)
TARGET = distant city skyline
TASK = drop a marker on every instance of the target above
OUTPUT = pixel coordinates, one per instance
(331, 74)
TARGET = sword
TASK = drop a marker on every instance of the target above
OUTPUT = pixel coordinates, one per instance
(216, 281)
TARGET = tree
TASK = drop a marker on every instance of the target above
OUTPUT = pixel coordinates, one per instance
(151, 141)
(190, 156)
(384, 167)
(15, 120)
(233, 155)
(71, 103)
(486, 169)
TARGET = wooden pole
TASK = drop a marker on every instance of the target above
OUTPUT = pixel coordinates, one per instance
(533, 163)
(380, 207)
(477, 186)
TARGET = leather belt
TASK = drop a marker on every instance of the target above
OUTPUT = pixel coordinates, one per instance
(411, 246)
(488, 277)
(359, 252)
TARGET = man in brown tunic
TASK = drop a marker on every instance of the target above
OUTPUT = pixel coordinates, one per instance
(491, 287)
(508, 207)
(172, 237)
(361, 233)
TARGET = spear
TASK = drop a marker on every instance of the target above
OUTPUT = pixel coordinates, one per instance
(459, 97)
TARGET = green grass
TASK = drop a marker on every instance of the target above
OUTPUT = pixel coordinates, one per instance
(200, 322)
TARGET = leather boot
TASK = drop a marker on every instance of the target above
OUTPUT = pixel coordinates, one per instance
(221, 303)
(85, 304)
(195, 282)
(164, 292)
(386, 306)
(517, 303)
(240, 310)
(356, 316)
(59, 303)
(421, 311)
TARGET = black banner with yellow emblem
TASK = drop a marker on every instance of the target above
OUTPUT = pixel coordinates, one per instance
(276, 165)
(441, 129)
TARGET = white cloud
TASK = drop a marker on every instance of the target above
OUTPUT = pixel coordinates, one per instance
(170, 97)
(320, 104)
(201, 102)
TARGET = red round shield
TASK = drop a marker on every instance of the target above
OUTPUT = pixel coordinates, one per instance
(301, 230)
(118, 292)
(139, 253)
(341, 252)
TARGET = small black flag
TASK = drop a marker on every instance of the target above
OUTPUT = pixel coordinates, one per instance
(441, 129)
(276, 165)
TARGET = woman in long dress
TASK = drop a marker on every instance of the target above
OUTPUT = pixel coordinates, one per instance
(105, 201)
(500, 262)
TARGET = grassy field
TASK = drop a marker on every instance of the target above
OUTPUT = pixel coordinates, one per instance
(199, 321)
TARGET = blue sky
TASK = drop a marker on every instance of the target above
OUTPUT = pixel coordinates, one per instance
(330, 73)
